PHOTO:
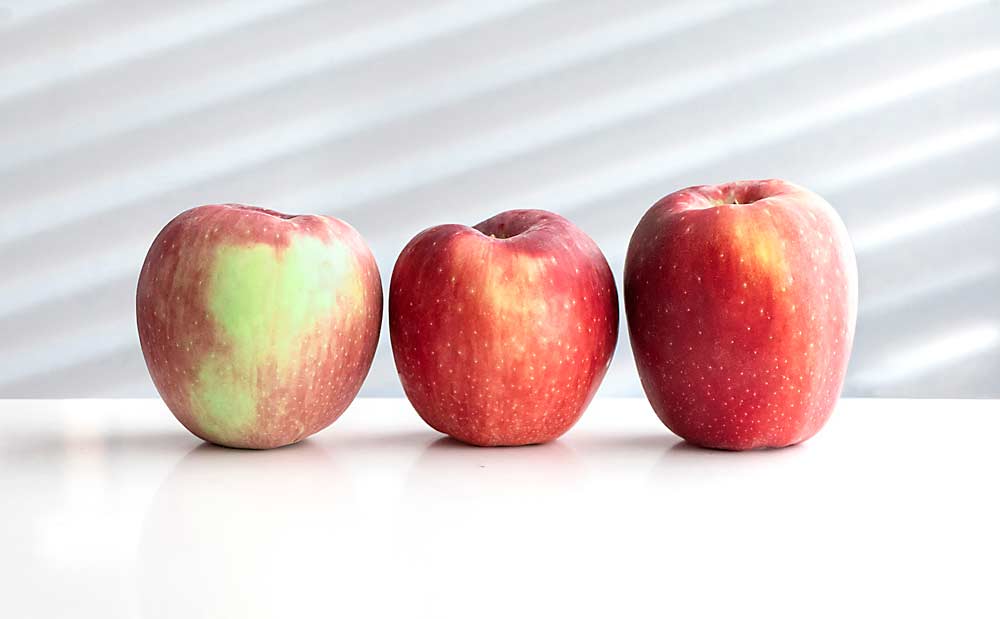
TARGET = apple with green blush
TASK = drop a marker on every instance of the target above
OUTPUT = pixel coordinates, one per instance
(258, 328)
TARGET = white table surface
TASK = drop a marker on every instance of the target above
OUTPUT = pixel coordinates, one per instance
(111, 509)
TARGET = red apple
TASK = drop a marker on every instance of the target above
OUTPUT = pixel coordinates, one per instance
(741, 302)
(258, 328)
(503, 332)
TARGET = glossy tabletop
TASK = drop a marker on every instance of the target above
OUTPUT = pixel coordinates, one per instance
(111, 509)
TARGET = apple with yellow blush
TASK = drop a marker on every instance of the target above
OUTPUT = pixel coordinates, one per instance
(741, 301)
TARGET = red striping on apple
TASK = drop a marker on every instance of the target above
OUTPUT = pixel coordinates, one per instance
(502, 332)
(258, 328)
(741, 302)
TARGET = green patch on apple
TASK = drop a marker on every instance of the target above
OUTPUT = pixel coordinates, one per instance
(266, 300)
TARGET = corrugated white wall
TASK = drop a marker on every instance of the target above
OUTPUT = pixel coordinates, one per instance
(396, 115)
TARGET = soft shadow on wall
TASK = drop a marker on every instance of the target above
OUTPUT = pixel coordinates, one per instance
(396, 117)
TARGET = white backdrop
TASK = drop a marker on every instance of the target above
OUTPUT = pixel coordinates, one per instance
(396, 115)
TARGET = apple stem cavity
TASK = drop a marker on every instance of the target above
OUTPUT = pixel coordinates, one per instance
(263, 211)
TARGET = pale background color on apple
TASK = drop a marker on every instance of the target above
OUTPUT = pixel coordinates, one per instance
(395, 116)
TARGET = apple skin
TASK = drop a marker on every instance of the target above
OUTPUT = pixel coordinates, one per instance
(502, 332)
(258, 328)
(741, 301)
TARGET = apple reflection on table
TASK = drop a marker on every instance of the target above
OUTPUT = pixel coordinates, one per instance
(249, 533)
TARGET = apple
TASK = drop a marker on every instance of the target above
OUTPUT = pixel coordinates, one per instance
(502, 332)
(741, 301)
(258, 328)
